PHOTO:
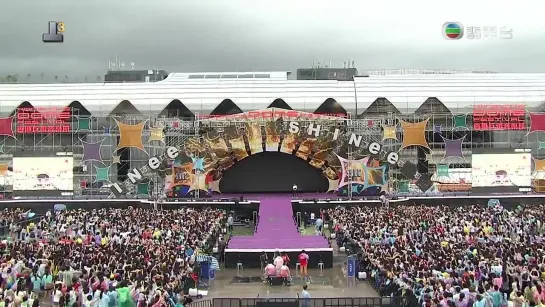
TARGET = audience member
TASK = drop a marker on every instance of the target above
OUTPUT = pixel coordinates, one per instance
(106, 257)
(447, 256)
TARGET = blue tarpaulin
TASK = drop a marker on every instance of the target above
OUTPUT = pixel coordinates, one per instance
(59, 207)
(493, 202)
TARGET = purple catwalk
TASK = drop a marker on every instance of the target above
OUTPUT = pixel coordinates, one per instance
(277, 229)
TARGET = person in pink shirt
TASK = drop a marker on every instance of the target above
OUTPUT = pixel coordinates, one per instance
(270, 270)
(285, 274)
(303, 262)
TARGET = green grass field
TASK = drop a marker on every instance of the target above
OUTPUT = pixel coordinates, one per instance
(241, 231)
(311, 231)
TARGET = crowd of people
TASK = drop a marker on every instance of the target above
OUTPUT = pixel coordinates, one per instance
(484, 256)
(11, 217)
(104, 257)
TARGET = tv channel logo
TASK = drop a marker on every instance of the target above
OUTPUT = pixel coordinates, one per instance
(453, 30)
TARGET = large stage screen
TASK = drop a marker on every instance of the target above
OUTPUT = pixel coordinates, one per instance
(43, 176)
(501, 171)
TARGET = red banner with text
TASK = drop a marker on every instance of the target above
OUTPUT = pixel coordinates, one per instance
(43, 120)
(499, 117)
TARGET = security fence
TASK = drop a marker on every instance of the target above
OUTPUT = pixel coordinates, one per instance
(300, 302)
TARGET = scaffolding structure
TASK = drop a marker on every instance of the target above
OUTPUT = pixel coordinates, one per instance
(116, 161)
(104, 130)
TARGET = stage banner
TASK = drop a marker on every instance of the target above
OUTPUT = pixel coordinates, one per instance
(289, 143)
(273, 132)
(322, 143)
(323, 147)
(255, 137)
(305, 148)
(237, 142)
(499, 117)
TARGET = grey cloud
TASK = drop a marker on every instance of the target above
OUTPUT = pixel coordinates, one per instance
(237, 35)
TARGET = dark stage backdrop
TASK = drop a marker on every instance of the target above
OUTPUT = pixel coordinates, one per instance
(272, 172)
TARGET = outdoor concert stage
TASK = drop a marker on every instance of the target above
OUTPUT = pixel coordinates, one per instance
(277, 231)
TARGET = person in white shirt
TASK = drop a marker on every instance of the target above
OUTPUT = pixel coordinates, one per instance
(57, 295)
(278, 263)
(383, 200)
(230, 222)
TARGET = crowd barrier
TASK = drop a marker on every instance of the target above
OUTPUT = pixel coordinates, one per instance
(300, 302)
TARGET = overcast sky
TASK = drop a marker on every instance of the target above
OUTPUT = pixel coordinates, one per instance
(255, 35)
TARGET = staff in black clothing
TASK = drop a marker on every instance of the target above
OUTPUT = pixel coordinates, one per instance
(264, 259)
(294, 190)
(221, 248)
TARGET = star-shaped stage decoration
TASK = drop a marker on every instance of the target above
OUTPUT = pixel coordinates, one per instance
(408, 170)
(453, 148)
(4, 168)
(214, 186)
(157, 134)
(358, 188)
(442, 170)
(333, 185)
(91, 151)
(414, 134)
(116, 159)
(460, 121)
(354, 169)
(143, 188)
(424, 183)
(130, 135)
(102, 174)
(389, 132)
(198, 164)
(6, 126)
(429, 157)
(198, 183)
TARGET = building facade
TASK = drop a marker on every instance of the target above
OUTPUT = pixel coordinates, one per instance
(204, 93)
(440, 98)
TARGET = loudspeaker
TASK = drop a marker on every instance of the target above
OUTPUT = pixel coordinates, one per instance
(408, 170)
(423, 166)
(276, 281)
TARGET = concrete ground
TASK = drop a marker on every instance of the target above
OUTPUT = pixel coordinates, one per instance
(330, 283)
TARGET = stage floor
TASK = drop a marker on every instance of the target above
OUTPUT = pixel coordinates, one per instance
(277, 231)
